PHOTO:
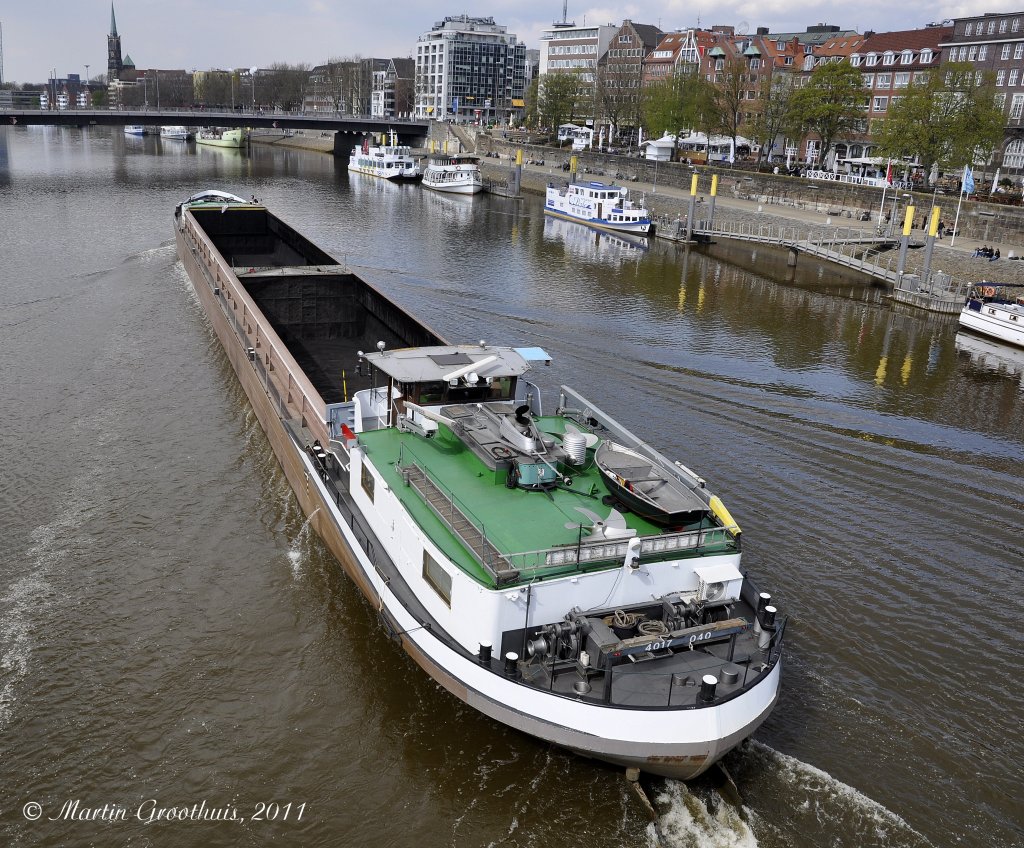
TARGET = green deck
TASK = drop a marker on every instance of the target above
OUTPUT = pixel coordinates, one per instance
(514, 521)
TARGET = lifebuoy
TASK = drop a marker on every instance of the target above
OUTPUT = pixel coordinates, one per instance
(988, 291)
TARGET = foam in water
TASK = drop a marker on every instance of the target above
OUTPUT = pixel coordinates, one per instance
(818, 810)
(298, 551)
(16, 637)
(821, 801)
(690, 823)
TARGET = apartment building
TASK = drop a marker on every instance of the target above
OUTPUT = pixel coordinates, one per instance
(995, 42)
(468, 70)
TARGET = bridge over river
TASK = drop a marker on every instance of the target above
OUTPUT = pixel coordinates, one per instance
(409, 132)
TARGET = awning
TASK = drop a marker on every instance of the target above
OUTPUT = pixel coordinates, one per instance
(517, 102)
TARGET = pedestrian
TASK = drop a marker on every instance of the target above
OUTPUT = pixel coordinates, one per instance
(942, 228)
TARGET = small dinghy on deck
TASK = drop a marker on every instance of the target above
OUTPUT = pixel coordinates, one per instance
(647, 489)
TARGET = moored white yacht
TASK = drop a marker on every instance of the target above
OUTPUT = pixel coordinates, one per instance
(996, 312)
(180, 133)
(391, 161)
(453, 173)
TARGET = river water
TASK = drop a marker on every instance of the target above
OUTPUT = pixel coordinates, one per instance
(171, 633)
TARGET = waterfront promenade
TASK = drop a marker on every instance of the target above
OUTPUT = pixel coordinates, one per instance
(669, 203)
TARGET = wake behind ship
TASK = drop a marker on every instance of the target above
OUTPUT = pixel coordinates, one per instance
(551, 570)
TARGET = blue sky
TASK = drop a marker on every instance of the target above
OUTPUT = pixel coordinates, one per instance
(189, 34)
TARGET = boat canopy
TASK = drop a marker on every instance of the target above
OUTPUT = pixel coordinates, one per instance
(448, 362)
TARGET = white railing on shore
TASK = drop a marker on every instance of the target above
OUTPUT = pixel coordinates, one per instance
(855, 179)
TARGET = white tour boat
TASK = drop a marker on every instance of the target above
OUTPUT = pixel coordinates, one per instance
(544, 565)
(134, 129)
(180, 133)
(600, 205)
(991, 312)
(391, 161)
(454, 173)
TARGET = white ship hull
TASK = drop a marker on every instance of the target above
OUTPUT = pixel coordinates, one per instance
(1003, 322)
(453, 176)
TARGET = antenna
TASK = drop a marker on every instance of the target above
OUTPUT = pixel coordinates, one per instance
(1, 53)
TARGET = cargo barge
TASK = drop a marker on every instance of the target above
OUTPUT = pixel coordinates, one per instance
(481, 528)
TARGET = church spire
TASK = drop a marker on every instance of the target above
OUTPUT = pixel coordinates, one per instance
(113, 23)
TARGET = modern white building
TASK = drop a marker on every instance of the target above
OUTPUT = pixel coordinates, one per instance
(567, 47)
(470, 70)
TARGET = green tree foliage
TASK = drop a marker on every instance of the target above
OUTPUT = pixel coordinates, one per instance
(951, 118)
(664, 106)
(771, 119)
(678, 103)
(558, 98)
(727, 98)
(829, 106)
(531, 98)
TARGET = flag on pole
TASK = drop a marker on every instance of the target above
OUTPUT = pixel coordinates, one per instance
(995, 182)
(968, 186)
(888, 173)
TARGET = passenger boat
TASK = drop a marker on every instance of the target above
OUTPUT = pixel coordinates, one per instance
(222, 137)
(457, 174)
(180, 133)
(994, 311)
(596, 204)
(391, 161)
(134, 129)
(466, 504)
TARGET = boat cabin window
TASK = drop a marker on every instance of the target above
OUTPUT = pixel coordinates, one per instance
(366, 478)
(437, 578)
(427, 393)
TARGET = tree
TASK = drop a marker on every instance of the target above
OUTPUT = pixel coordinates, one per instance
(770, 121)
(950, 117)
(829, 106)
(284, 85)
(558, 97)
(676, 103)
(665, 106)
(727, 97)
(532, 98)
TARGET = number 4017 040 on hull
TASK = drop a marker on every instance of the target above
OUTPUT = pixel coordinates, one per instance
(548, 568)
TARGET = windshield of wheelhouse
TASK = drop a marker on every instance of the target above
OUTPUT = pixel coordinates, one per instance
(439, 392)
